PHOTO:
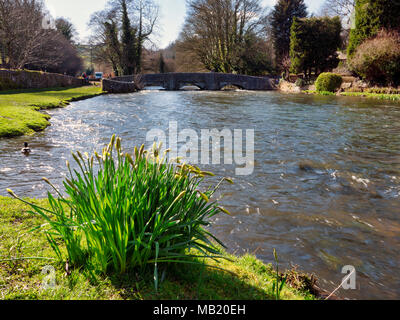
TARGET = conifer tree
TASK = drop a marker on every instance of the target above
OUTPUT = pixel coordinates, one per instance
(128, 43)
(314, 43)
(161, 64)
(281, 22)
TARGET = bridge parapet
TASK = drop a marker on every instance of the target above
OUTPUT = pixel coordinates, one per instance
(205, 81)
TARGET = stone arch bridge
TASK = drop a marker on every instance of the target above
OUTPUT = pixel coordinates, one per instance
(205, 81)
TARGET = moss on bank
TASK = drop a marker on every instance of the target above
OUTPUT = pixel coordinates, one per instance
(370, 95)
(19, 109)
(380, 96)
(321, 93)
(244, 278)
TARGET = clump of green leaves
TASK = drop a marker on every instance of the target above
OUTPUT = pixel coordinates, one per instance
(300, 82)
(328, 82)
(279, 282)
(125, 213)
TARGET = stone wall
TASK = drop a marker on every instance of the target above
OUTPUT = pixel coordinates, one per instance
(23, 79)
(113, 86)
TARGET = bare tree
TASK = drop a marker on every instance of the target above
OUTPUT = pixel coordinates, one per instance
(147, 14)
(104, 43)
(21, 31)
(217, 30)
(27, 40)
(342, 8)
(345, 9)
(107, 28)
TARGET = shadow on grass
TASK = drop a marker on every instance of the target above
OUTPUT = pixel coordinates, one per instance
(189, 282)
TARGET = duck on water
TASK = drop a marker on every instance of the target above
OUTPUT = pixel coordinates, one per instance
(26, 150)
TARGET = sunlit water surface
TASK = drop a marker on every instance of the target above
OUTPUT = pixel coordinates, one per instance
(325, 191)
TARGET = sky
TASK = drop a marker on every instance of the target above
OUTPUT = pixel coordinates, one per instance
(171, 18)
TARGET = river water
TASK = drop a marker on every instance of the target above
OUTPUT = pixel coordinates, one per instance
(325, 191)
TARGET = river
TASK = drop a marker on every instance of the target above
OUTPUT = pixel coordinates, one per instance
(325, 191)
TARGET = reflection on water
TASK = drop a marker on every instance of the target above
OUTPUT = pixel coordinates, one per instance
(325, 190)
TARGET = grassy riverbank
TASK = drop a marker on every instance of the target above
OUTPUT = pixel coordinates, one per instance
(380, 96)
(369, 95)
(19, 109)
(20, 278)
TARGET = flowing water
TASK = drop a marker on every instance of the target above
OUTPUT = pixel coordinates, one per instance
(325, 191)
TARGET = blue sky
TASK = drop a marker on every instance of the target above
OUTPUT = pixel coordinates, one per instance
(172, 15)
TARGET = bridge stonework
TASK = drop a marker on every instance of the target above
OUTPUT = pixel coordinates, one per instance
(205, 81)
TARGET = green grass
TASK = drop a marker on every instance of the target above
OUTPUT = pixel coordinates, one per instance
(321, 93)
(369, 95)
(19, 109)
(244, 277)
(380, 96)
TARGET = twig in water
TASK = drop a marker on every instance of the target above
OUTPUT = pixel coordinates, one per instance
(343, 282)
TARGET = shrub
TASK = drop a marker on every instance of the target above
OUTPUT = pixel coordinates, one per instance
(377, 60)
(131, 214)
(300, 82)
(326, 93)
(384, 90)
(328, 82)
(370, 17)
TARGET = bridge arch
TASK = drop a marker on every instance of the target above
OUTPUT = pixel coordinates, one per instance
(181, 85)
(240, 86)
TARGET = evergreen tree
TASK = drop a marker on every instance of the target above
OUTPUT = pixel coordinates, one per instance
(281, 22)
(162, 64)
(314, 44)
(372, 16)
(66, 28)
(128, 43)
